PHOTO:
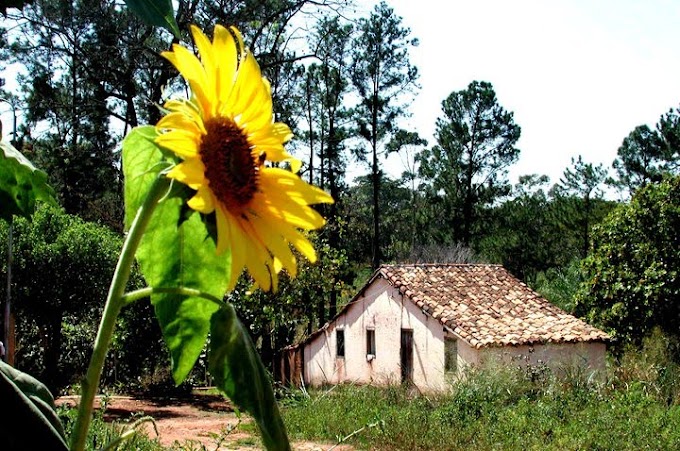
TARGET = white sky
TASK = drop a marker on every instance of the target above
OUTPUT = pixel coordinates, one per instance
(579, 75)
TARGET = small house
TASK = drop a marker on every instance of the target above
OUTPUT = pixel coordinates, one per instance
(424, 323)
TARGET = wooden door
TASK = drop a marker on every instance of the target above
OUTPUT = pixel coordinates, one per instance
(406, 356)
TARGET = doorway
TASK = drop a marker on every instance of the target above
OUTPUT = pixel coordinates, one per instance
(406, 356)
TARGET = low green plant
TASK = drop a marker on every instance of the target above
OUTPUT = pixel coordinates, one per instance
(103, 433)
(633, 406)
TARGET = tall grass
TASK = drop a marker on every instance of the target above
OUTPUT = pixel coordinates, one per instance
(102, 434)
(636, 406)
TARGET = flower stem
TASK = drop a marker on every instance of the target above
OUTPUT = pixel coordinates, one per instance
(112, 308)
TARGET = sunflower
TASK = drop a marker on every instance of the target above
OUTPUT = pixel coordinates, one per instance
(227, 140)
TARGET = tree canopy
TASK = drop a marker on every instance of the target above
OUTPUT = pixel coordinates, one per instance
(631, 277)
(476, 140)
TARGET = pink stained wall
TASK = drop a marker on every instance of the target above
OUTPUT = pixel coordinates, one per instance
(383, 309)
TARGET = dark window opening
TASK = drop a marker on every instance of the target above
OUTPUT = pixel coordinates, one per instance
(451, 355)
(370, 342)
(406, 356)
(340, 343)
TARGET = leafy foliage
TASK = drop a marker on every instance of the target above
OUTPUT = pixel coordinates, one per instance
(382, 75)
(21, 184)
(646, 154)
(156, 12)
(62, 268)
(468, 167)
(631, 276)
(581, 186)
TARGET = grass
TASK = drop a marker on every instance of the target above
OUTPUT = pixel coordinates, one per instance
(636, 407)
(102, 434)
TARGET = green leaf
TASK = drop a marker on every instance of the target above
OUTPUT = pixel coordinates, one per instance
(142, 162)
(177, 250)
(30, 420)
(156, 12)
(21, 184)
(238, 371)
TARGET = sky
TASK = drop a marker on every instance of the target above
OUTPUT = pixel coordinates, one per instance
(578, 75)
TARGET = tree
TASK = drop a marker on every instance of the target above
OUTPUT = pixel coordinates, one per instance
(357, 211)
(63, 266)
(406, 144)
(646, 155)
(521, 233)
(327, 116)
(631, 276)
(637, 162)
(382, 75)
(581, 186)
(475, 144)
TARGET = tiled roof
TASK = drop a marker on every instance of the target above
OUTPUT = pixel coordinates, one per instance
(486, 306)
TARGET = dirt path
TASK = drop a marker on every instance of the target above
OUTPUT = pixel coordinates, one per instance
(203, 420)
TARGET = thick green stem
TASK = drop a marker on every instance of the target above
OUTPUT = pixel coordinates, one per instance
(112, 308)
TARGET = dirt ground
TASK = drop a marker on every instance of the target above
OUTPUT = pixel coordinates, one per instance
(202, 420)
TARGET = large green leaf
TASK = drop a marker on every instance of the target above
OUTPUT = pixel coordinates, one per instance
(238, 371)
(156, 12)
(28, 419)
(21, 184)
(142, 162)
(177, 250)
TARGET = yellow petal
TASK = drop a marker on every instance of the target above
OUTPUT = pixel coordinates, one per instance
(193, 72)
(208, 57)
(191, 172)
(278, 247)
(298, 240)
(257, 258)
(257, 112)
(177, 120)
(225, 47)
(279, 181)
(282, 131)
(295, 165)
(179, 141)
(248, 85)
(202, 201)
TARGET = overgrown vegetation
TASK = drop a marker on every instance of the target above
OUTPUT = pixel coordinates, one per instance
(636, 405)
(103, 433)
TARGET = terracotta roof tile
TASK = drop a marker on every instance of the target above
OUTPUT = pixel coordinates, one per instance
(486, 305)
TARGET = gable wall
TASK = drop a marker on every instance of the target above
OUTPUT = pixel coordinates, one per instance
(384, 309)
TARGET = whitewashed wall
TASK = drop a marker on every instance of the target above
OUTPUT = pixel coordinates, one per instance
(383, 309)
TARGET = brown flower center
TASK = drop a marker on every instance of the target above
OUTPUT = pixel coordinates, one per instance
(230, 167)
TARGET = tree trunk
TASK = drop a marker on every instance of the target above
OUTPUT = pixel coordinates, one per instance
(375, 172)
(52, 377)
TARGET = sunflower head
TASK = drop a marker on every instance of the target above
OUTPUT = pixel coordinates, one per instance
(229, 148)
